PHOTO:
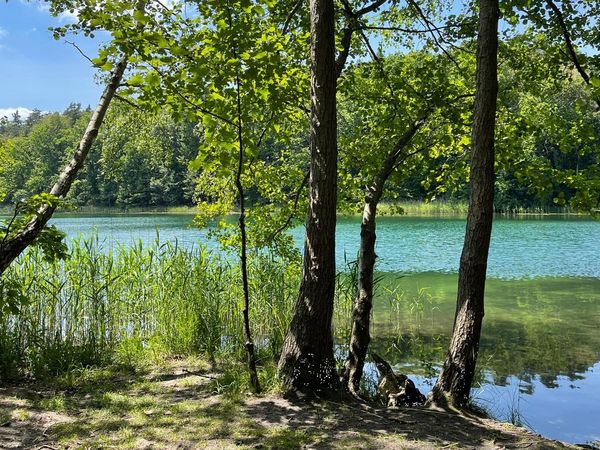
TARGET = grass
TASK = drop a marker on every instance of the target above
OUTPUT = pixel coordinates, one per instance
(457, 208)
(178, 404)
(119, 408)
(137, 305)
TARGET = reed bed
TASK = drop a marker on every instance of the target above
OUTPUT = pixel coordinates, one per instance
(136, 304)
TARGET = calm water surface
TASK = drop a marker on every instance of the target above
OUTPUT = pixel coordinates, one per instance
(540, 350)
(519, 249)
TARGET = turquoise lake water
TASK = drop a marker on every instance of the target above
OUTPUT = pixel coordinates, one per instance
(520, 248)
(540, 350)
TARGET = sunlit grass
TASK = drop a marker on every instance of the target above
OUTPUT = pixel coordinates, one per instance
(455, 208)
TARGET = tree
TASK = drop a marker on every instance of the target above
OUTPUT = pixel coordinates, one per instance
(399, 115)
(20, 233)
(307, 361)
(15, 242)
(454, 382)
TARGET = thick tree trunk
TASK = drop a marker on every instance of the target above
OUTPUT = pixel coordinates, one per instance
(361, 315)
(13, 247)
(307, 361)
(454, 383)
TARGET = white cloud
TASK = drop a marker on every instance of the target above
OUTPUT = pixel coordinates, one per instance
(65, 16)
(3, 32)
(9, 112)
(68, 16)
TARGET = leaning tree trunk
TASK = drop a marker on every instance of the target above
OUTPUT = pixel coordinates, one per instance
(307, 361)
(454, 383)
(14, 246)
(361, 315)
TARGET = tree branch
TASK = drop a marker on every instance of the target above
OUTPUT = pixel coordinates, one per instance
(294, 208)
(569, 42)
(432, 29)
(291, 15)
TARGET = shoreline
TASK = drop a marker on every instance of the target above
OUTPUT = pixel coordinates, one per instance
(166, 406)
(401, 209)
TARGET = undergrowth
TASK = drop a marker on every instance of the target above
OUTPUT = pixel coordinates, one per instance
(136, 306)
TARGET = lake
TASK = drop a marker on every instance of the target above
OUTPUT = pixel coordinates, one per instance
(520, 248)
(540, 352)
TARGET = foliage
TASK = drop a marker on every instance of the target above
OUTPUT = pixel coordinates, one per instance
(138, 160)
(548, 130)
(49, 241)
(381, 102)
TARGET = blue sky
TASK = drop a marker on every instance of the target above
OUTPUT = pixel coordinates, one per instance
(37, 71)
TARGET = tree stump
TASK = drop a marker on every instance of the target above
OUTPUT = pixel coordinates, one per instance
(398, 389)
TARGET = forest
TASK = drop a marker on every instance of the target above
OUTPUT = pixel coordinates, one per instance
(284, 124)
(148, 165)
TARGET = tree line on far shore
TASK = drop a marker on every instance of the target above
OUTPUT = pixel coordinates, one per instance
(142, 159)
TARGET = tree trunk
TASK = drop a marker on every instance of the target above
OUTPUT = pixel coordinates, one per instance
(361, 315)
(454, 383)
(251, 357)
(307, 361)
(14, 246)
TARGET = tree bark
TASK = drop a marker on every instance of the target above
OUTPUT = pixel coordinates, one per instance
(251, 357)
(454, 383)
(307, 361)
(14, 246)
(361, 315)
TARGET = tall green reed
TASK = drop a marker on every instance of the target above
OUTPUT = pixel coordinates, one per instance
(136, 302)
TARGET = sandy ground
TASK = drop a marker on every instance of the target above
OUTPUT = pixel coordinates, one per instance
(179, 409)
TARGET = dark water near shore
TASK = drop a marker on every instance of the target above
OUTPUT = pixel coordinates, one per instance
(540, 351)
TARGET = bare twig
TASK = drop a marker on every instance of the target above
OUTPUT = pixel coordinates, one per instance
(82, 53)
(432, 29)
(9, 226)
(370, 8)
(291, 15)
(129, 102)
(294, 208)
(194, 105)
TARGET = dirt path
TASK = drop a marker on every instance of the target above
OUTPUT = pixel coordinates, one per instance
(179, 409)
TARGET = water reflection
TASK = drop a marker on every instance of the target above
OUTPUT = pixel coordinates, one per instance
(540, 348)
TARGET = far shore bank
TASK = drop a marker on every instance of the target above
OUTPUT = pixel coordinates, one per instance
(449, 209)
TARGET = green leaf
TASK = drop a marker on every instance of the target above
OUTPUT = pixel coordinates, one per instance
(217, 96)
(153, 79)
(136, 80)
(140, 16)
